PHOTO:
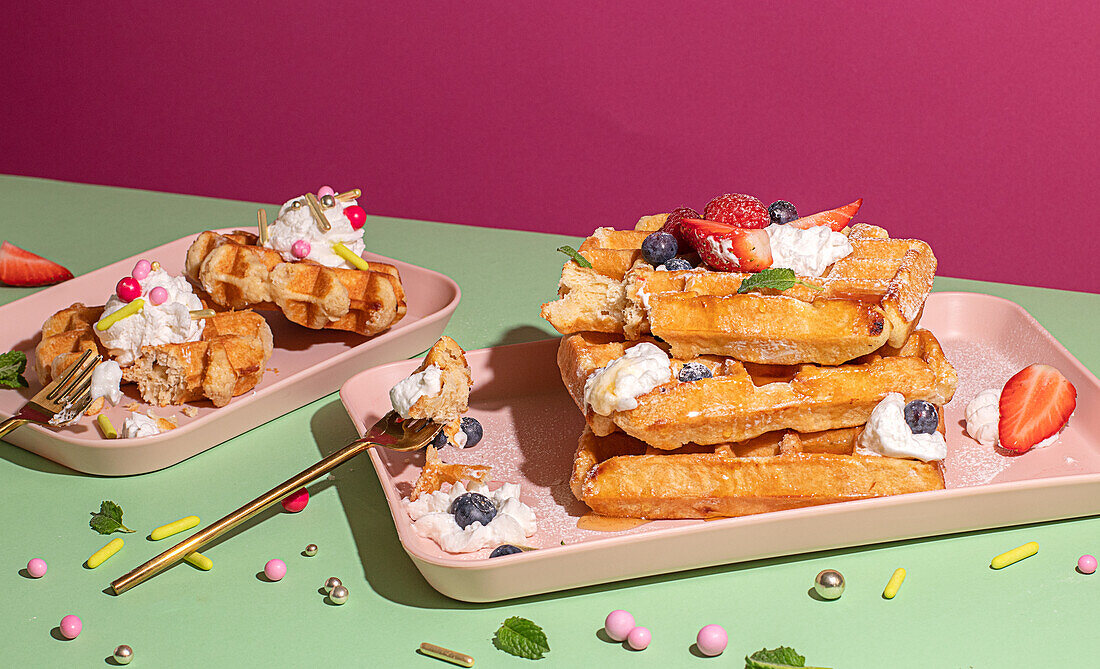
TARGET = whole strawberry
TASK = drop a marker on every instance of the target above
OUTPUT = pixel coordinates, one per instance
(672, 223)
(740, 211)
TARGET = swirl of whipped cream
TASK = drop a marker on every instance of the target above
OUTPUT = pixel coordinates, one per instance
(167, 323)
(298, 224)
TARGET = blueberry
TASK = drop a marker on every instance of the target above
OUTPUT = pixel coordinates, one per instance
(473, 508)
(659, 247)
(782, 212)
(473, 431)
(440, 440)
(673, 264)
(694, 371)
(504, 549)
(922, 417)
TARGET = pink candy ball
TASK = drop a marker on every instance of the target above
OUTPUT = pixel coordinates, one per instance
(325, 190)
(275, 569)
(37, 568)
(71, 626)
(356, 216)
(296, 501)
(141, 269)
(1086, 564)
(301, 248)
(711, 640)
(128, 289)
(618, 624)
(158, 295)
(638, 639)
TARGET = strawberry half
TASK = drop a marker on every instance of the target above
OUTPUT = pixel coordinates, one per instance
(834, 218)
(23, 268)
(1035, 404)
(726, 248)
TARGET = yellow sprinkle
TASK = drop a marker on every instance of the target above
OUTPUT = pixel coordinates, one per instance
(199, 560)
(101, 555)
(105, 425)
(441, 653)
(1015, 555)
(347, 254)
(199, 314)
(894, 584)
(165, 531)
(352, 194)
(116, 316)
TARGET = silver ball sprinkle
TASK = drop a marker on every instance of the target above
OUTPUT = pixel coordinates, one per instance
(297, 204)
(123, 654)
(328, 202)
(829, 584)
(311, 550)
(332, 583)
(339, 595)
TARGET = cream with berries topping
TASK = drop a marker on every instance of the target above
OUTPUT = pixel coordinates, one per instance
(808, 252)
(296, 224)
(982, 416)
(165, 322)
(617, 386)
(513, 523)
(887, 433)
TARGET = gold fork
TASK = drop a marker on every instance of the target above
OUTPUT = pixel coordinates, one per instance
(389, 432)
(62, 401)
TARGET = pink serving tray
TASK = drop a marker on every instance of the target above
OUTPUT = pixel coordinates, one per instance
(304, 366)
(531, 430)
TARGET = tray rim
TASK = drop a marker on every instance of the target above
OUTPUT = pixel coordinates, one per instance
(692, 528)
(283, 385)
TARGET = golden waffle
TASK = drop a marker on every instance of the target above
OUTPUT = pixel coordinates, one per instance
(619, 476)
(237, 274)
(65, 336)
(744, 400)
(453, 399)
(874, 296)
(436, 472)
(228, 361)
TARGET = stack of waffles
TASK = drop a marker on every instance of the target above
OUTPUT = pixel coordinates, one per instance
(791, 378)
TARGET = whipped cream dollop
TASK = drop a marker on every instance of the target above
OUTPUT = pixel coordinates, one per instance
(617, 385)
(983, 414)
(887, 433)
(298, 224)
(432, 518)
(139, 425)
(808, 252)
(427, 383)
(167, 323)
(105, 381)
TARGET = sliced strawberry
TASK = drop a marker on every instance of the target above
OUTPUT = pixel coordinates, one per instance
(1035, 404)
(834, 218)
(23, 268)
(726, 248)
(741, 211)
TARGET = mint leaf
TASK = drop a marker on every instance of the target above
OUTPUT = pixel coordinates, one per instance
(109, 519)
(522, 638)
(778, 278)
(576, 256)
(776, 658)
(12, 365)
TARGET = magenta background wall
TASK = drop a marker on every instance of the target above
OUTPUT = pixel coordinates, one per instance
(972, 125)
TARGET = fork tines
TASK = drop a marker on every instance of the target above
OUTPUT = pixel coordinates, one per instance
(76, 381)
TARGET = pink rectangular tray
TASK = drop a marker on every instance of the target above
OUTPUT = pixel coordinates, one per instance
(532, 426)
(305, 365)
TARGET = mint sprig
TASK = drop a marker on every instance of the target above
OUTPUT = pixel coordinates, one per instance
(12, 366)
(109, 519)
(776, 658)
(576, 256)
(522, 638)
(778, 278)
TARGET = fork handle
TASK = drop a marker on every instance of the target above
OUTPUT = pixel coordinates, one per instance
(200, 539)
(10, 424)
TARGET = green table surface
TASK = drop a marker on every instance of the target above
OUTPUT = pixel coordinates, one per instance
(953, 610)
